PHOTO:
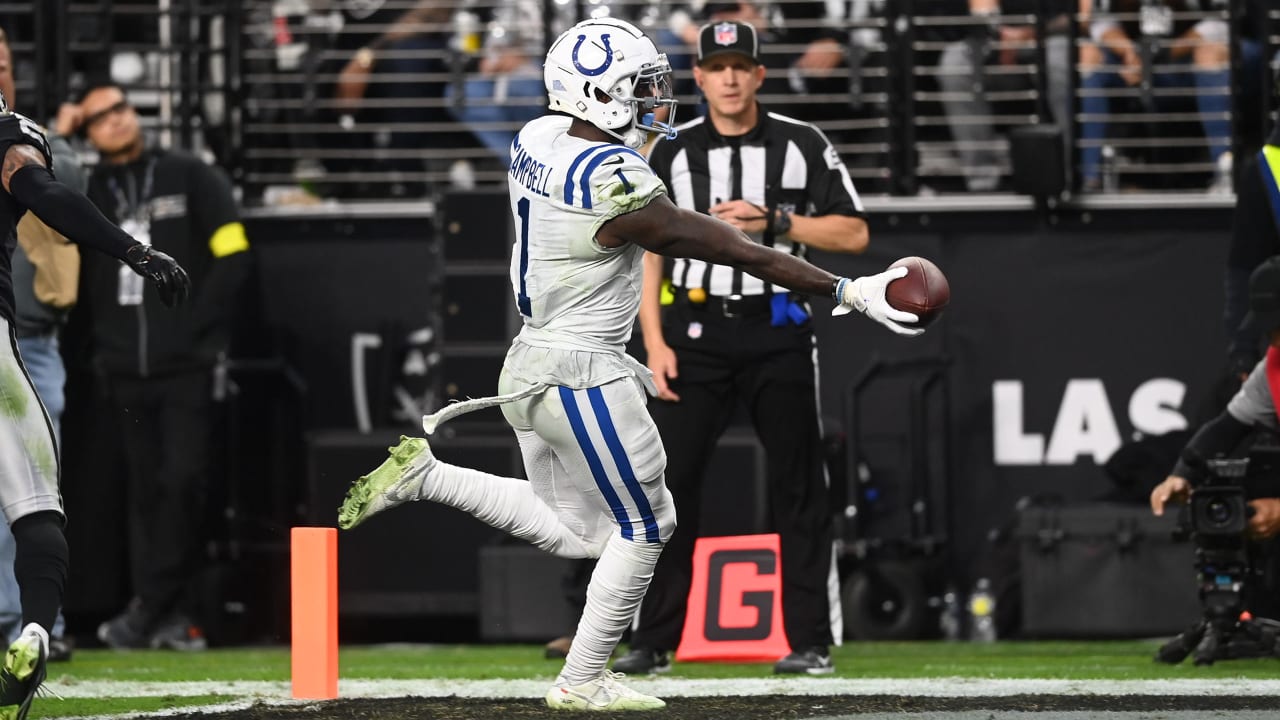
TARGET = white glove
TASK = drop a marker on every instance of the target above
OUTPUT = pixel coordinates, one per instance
(866, 295)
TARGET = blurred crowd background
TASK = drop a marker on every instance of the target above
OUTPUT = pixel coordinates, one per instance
(307, 101)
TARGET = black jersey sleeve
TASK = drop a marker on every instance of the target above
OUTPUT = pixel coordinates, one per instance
(67, 211)
(18, 129)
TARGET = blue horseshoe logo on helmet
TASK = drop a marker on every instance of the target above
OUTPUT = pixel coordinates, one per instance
(608, 56)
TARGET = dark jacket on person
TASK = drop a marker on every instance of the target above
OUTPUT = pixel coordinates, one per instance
(194, 218)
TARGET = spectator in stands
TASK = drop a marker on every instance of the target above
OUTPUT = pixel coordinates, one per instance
(159, 366)
(46, 268)
(985, 62)
(507, 91)
(1195, 43)
(673, 29)
(793, 24)
(401, 72)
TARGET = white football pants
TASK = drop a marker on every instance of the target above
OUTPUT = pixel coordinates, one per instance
(594, 462)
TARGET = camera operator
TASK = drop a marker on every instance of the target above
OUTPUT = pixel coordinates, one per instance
(1253, 407)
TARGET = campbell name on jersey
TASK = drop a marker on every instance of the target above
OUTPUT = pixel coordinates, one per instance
(563, 188)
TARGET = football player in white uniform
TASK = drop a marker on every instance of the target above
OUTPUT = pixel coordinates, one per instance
(586, 206)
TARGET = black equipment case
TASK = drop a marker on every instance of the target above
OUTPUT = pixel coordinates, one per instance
(1103, 570)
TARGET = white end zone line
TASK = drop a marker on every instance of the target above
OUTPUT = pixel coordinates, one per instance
(279, 692)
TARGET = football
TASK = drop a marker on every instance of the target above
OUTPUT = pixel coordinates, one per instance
(923, 290)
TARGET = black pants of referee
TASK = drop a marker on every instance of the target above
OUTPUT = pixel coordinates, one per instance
(721, 359)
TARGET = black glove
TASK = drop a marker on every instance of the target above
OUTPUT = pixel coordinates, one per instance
(163, 271)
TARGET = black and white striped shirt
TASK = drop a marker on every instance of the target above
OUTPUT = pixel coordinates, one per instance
(782, 163)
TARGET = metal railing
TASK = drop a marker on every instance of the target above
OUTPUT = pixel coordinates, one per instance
(176, 59)
(313, 100)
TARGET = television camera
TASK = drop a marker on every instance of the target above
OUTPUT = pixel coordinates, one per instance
(1217, 519)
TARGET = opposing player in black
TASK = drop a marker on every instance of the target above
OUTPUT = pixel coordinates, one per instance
(28, 451)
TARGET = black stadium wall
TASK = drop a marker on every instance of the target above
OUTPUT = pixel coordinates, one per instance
(1063, 340)
(1068, 335)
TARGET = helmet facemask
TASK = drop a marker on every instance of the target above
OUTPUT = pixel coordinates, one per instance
(650, 91)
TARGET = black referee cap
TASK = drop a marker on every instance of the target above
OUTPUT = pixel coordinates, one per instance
(729, 36)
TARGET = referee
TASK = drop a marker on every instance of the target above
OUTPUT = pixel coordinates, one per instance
(728, 336)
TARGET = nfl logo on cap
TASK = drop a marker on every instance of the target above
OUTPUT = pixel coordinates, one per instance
(726, 34)
(727, 37)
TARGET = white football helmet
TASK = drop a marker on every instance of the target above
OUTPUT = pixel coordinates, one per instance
(606, 72)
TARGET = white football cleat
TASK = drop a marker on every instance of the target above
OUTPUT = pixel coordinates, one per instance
(601, 694)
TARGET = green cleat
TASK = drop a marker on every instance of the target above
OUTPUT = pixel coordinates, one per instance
(602, 694)
(397, 480)
(23, 670)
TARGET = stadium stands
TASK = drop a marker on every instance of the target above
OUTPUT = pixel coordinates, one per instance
(308, 101)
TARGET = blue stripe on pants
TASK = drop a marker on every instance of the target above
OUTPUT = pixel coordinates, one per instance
(619, 454)
(593, 461)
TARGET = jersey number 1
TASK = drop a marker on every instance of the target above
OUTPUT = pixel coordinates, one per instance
(522, 298)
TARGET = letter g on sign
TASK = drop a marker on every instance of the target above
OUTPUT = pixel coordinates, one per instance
(764, 563)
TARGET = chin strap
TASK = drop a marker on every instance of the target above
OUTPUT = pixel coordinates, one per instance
(636, 138)
(661, 127)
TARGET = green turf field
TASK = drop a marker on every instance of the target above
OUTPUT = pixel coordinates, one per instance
(125, 672)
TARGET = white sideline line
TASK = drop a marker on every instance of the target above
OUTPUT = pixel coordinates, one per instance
(234, 706)
(279, 692)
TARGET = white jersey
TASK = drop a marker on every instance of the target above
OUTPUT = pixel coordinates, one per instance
(572, 293)
(578, 300)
